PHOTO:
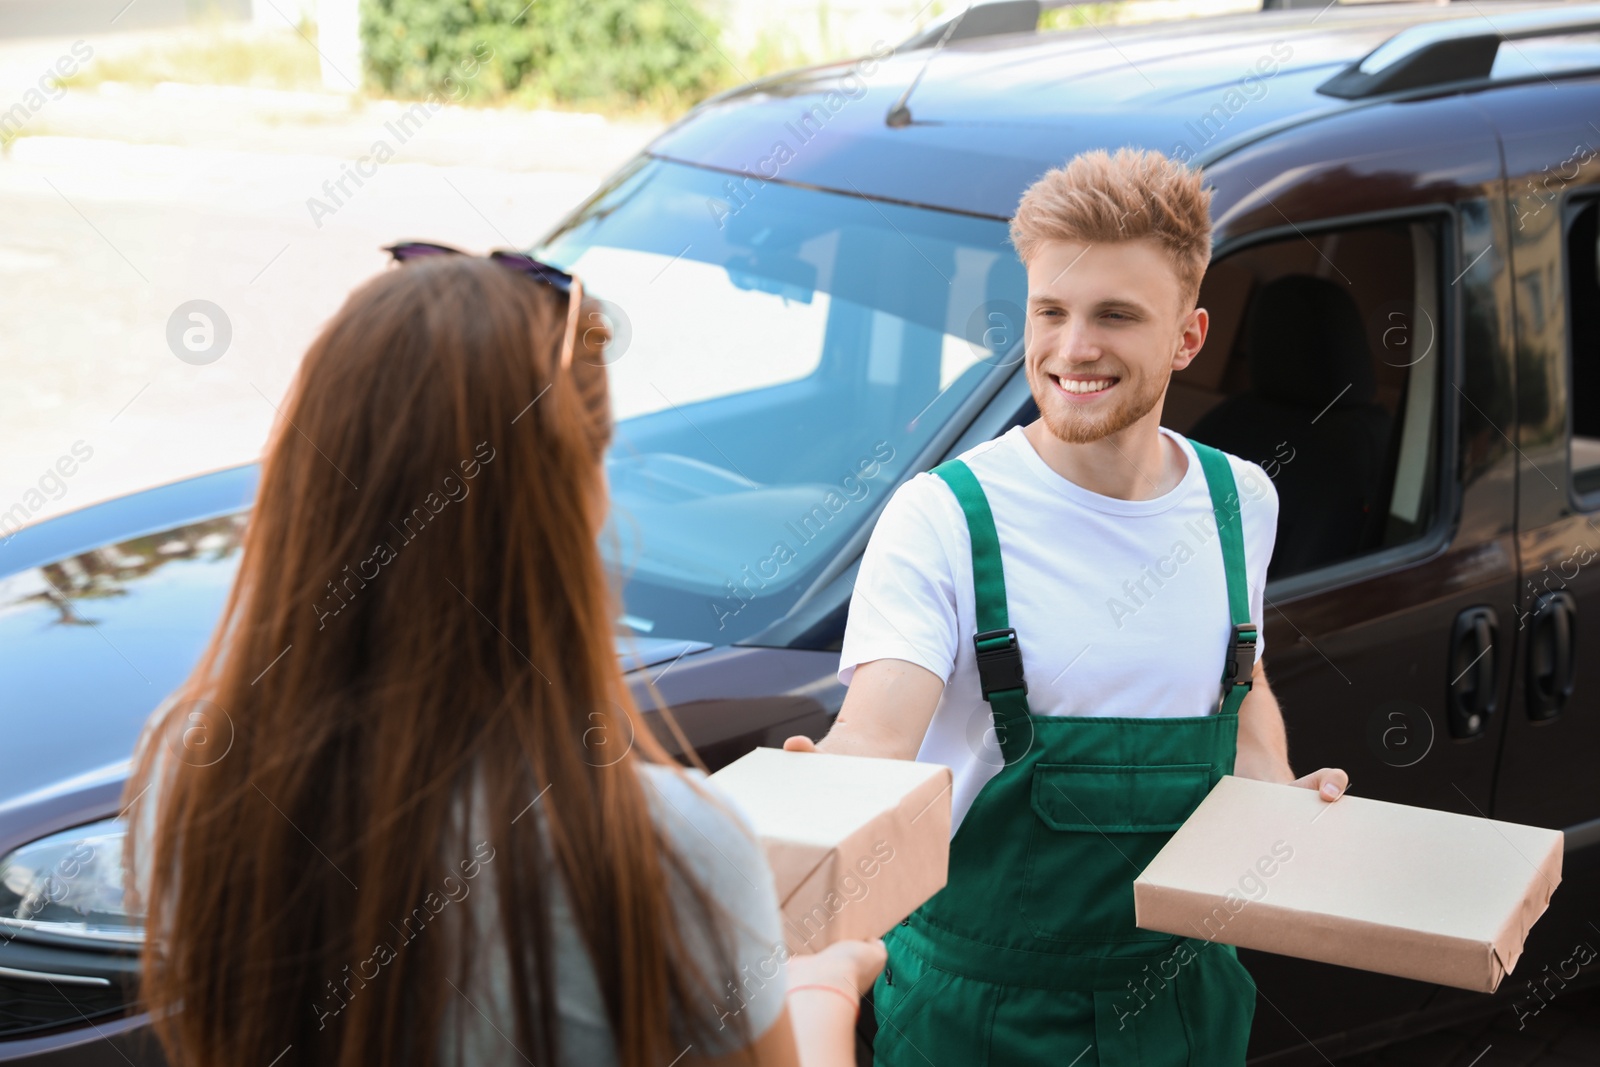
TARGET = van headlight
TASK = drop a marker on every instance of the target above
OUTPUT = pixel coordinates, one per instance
(69, 885)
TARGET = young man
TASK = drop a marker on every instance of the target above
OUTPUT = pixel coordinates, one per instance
(1068, 616)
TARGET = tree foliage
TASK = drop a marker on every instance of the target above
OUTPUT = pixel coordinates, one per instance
(605, 52)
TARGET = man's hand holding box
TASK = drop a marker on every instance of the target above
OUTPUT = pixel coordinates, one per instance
(856, 843)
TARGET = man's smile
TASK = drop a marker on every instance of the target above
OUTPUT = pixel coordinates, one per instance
(1078, 387)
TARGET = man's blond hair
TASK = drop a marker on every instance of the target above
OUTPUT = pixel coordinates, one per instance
(1100, 198)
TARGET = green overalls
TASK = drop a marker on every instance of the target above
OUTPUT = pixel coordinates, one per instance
(1029, 954)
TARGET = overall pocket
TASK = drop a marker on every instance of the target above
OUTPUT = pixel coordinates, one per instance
(1217, 1000)
(1095, 827)
(902, 973)
(900, 999)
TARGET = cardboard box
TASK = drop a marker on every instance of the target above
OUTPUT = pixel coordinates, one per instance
(856, 844)
(1383, 887)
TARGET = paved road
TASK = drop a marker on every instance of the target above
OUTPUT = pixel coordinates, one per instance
(1566, 1033)
(120, 206)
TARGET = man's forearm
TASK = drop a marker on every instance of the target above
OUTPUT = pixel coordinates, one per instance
(846, 738)
(1263, 749)
(885, 712)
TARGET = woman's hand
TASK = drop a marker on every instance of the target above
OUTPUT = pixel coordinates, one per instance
(847, 965)
(824, 1019)
(817, 1027)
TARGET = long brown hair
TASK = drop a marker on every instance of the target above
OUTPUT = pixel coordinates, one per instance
(421, 608)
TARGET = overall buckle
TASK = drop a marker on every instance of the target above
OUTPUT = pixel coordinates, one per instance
(1241, 660)
(1000, 664)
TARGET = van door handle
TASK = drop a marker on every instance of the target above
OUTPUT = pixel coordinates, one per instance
(1550, 654)
(1472, 671)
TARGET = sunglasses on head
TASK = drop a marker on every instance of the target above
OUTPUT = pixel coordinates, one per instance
(521, 262)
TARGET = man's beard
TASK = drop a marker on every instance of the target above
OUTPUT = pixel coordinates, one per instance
(1079, 427)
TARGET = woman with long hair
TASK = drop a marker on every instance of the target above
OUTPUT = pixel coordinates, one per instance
(420, 844)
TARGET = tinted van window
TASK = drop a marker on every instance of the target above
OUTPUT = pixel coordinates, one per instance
(1323, 364)
(1583, 305)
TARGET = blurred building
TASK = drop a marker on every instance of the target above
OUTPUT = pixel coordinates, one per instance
(824, 29)
(59, 18)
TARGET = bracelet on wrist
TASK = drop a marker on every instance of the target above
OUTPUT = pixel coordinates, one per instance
(832, 989)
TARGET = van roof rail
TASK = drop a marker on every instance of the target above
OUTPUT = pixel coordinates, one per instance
(1451, 50)
(987, 18)
(983, 20)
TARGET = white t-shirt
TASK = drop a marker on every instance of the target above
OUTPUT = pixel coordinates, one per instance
(1120, 606)
(723, 855)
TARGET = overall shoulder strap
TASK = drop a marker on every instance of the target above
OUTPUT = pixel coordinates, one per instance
(998, 653)
(1225, 507)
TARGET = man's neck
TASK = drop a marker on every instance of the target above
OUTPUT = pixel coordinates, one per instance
(1137, 463)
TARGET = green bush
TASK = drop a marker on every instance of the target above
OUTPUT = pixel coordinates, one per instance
(630, 53)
